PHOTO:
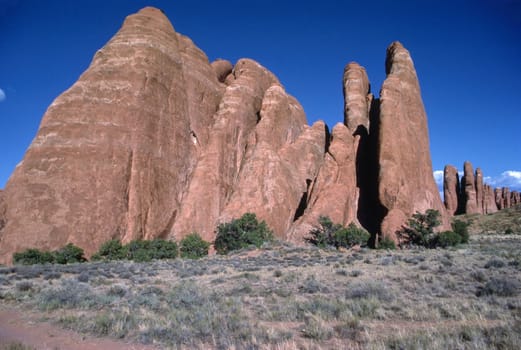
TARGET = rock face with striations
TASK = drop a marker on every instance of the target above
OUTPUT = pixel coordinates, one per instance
(114, 154)
(406, 183)
(357, 97)
(153, 140)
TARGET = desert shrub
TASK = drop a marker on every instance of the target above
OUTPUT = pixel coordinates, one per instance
(323, 236)
(500, 286)
(69, 254)
(317, 329)
(376, 290)
(461, 228)
(350, 236)
(137, 250)
(52, 275)
(336, 235)
(420, 228)
(193, 247)
(110, 250)
(386, 243)
(241, 233)
(163, 249)
(445, 239)
(69, 294)
(32, 256)
(494, 262)
(24, 286)
(509, 231)
(84, 276)
(145, 250)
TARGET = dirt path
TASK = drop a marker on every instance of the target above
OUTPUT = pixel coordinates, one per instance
(17, 326)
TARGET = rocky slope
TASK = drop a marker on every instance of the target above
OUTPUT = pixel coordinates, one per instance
(153, 140)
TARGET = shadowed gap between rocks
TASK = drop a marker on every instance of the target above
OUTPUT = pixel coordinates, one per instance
(303, 204)
(370, 210)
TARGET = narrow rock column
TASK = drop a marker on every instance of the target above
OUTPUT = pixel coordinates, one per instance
(406, 183)
(468, 186)
(451, 189)
(479, 191)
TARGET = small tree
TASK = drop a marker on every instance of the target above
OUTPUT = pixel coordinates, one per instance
(32, 256)
(163, 249)
(446, 239)
(324, 235)
(336, 235)
(461, 228)
(193, 247)
(69, 254)
(350, 236)
(110, 250)
(386, 243)
(420, 228)
(241, 233)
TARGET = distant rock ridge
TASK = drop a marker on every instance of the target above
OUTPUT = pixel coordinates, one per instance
(153, 140)
(472, 195)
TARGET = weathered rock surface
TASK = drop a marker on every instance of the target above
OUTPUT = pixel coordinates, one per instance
(334, 192)
(515, 198)
(114, 154)
(489, 200)
(2, 210)
(222, 68)
(406, 183)
(505, 194)
(451, 189)
(357, 97)
(468, 188)
(498, 195)
(155, 141)
(479, 191)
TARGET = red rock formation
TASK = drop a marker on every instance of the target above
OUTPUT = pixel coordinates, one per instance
(357, 97)
(2, 210)
(505, 194)
(498, 195)
(114, 154)
(275, 180)
(150, 143)
(515, 198)
(451, 189)
(334, 192)
(489, 200)
(468, 189)
(154, 141)
(222, 69)
(479, 191)
(406, 184)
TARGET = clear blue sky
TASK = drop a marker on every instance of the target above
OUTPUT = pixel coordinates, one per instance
(467, 54)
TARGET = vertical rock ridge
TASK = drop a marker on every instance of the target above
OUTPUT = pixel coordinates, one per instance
(468, 187)
(451, 189)
(406, 183)
(357, 97)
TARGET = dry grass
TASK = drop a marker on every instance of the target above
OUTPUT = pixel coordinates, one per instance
(497, 223)
(285, 297)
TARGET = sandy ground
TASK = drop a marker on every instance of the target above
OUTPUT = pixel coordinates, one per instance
(17, 326)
